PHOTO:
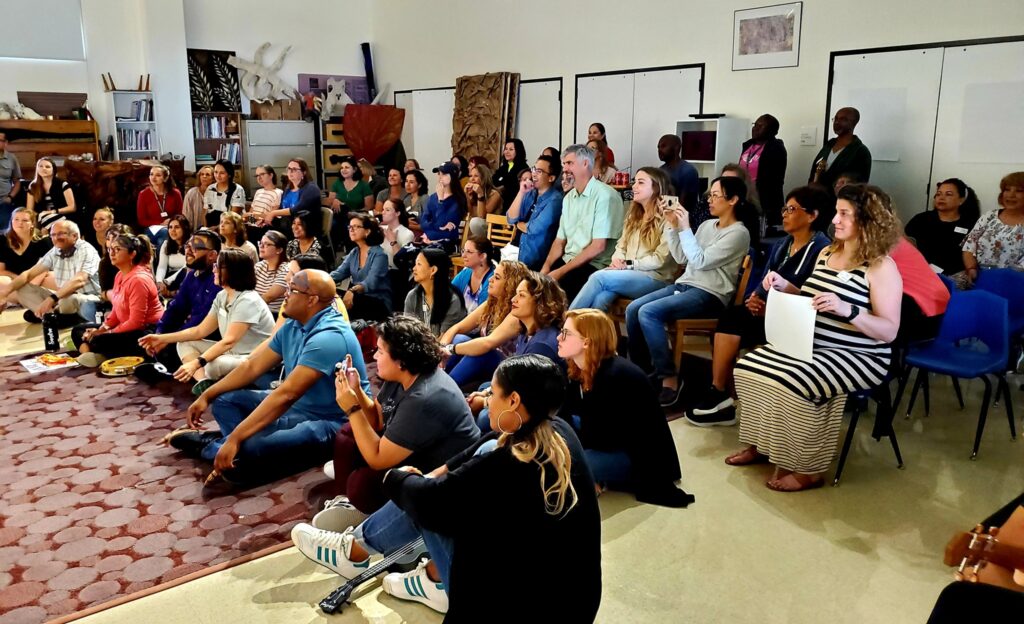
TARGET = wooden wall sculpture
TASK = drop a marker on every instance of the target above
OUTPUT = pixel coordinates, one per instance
(485, 114)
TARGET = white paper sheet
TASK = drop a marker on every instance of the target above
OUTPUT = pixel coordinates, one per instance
(789, 324)
(35, 365)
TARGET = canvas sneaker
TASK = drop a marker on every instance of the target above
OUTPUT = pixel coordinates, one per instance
(713, 401)
(416, 585)
(90, 359)
(328, 548)
(337, 515)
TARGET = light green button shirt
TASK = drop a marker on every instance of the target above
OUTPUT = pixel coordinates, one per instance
(597, 212)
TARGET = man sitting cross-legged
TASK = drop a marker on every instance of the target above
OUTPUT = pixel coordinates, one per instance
(267, 434)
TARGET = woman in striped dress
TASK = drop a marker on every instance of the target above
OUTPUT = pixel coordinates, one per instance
(791, 411)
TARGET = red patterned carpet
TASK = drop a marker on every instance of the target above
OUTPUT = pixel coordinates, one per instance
(94, 506)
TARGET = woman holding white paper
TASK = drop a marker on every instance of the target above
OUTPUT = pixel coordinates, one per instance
(791, 411)
(793, 257)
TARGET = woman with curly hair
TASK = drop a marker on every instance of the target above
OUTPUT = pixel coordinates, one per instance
(642, 262)
(636, 454)
(474, 359)
(791, 410)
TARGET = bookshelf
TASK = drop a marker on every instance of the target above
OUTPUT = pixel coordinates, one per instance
(135, 128)
(218, 135)
(710, 144)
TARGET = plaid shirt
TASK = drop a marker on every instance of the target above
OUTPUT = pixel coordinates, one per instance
(83, 258)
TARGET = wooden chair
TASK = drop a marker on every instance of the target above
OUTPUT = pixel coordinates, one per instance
(706, 327)
(499, 232)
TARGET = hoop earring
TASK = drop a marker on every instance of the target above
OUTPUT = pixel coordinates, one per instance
(497, 422)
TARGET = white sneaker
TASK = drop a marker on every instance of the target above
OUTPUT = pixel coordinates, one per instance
(329, 549)
(337, 515)
(329, 470)
(416, 585)
(90, 359)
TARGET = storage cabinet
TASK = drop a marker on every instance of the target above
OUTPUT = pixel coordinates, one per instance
(710, 144)
(274, 143)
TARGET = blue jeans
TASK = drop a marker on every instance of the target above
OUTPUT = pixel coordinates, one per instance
(646, 318)
(389, 528)
(607, 285)
(609, 467)
(466, 369)
(294, 434)
(157, 239)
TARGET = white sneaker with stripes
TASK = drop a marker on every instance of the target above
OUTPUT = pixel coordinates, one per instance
(416, 585)
(329, 549)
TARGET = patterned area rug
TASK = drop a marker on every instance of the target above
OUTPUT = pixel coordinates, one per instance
(94, 506)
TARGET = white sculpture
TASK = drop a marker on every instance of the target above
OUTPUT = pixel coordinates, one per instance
(260, 82)
(18, 111)
(335, 100)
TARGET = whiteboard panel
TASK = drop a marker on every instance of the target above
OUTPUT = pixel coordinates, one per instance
(404, 101)
(43, 29)
(660, 99)
(608, 100)
(980, 130)
(432, 113)
(897, 95)
(538, 120)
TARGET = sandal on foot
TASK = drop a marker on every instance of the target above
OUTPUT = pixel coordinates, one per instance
(746, 457)
(795, 482)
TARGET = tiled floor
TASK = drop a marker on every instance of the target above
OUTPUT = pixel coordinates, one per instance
(867, 551)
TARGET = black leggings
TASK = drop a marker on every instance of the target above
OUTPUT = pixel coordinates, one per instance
(112, 344)
(368, 308)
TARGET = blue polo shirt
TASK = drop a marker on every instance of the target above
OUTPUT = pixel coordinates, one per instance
(320, 344)
(541, 214)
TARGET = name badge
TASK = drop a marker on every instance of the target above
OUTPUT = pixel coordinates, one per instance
(845, 276)
(960, 230)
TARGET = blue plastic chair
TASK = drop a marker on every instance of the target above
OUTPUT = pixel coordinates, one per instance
(973, 342)
(1008, 284)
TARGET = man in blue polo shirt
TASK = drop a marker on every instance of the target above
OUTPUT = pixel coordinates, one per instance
(536, 212)
(266, 434)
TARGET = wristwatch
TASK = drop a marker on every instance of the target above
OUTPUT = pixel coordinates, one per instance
(55, 298)
(854, 311)
(202, 361)
(355, 408)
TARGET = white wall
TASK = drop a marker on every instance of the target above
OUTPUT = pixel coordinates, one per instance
(164, 47)
(324, 34)
(40, 75)
(429, 44)
(113, 43)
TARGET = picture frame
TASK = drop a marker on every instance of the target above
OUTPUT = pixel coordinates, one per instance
(767, 37)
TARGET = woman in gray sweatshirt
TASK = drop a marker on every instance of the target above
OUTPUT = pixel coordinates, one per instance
(713, 256)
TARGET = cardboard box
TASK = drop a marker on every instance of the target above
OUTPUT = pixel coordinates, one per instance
(265, 109)
(291, 110)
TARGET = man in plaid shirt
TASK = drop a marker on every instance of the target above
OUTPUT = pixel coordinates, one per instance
(73, 280)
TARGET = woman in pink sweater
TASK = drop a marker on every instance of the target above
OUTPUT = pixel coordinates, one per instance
(136, 306)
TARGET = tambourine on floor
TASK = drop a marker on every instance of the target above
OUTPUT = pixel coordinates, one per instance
(120, 367)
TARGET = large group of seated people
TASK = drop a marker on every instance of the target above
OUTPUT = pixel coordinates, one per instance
(511, 369)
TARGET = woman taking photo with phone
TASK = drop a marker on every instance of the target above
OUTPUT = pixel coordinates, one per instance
(642, 262)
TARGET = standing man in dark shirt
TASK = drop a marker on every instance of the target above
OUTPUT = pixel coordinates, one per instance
(843, 154)
(10, 181)
(683, 175)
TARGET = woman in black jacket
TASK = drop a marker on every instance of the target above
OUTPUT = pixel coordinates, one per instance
(527, 487)
(506, 175)
(621, 425)
(764, 157)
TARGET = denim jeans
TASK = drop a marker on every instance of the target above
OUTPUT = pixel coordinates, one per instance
(389, 528)
(293, 434)
(646, 318)
(465, 369)
(607, 285)
(609, 467)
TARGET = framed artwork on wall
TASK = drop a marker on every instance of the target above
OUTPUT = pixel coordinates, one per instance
(767, 37)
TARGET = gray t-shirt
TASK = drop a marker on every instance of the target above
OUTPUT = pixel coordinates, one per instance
(10, 172)
(246, 307)
(431, 418)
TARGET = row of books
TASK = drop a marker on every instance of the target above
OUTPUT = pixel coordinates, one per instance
(231, 152)
(210, 128)
(134, 140)
(142, 110)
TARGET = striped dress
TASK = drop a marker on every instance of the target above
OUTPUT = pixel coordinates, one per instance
(792, 410)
